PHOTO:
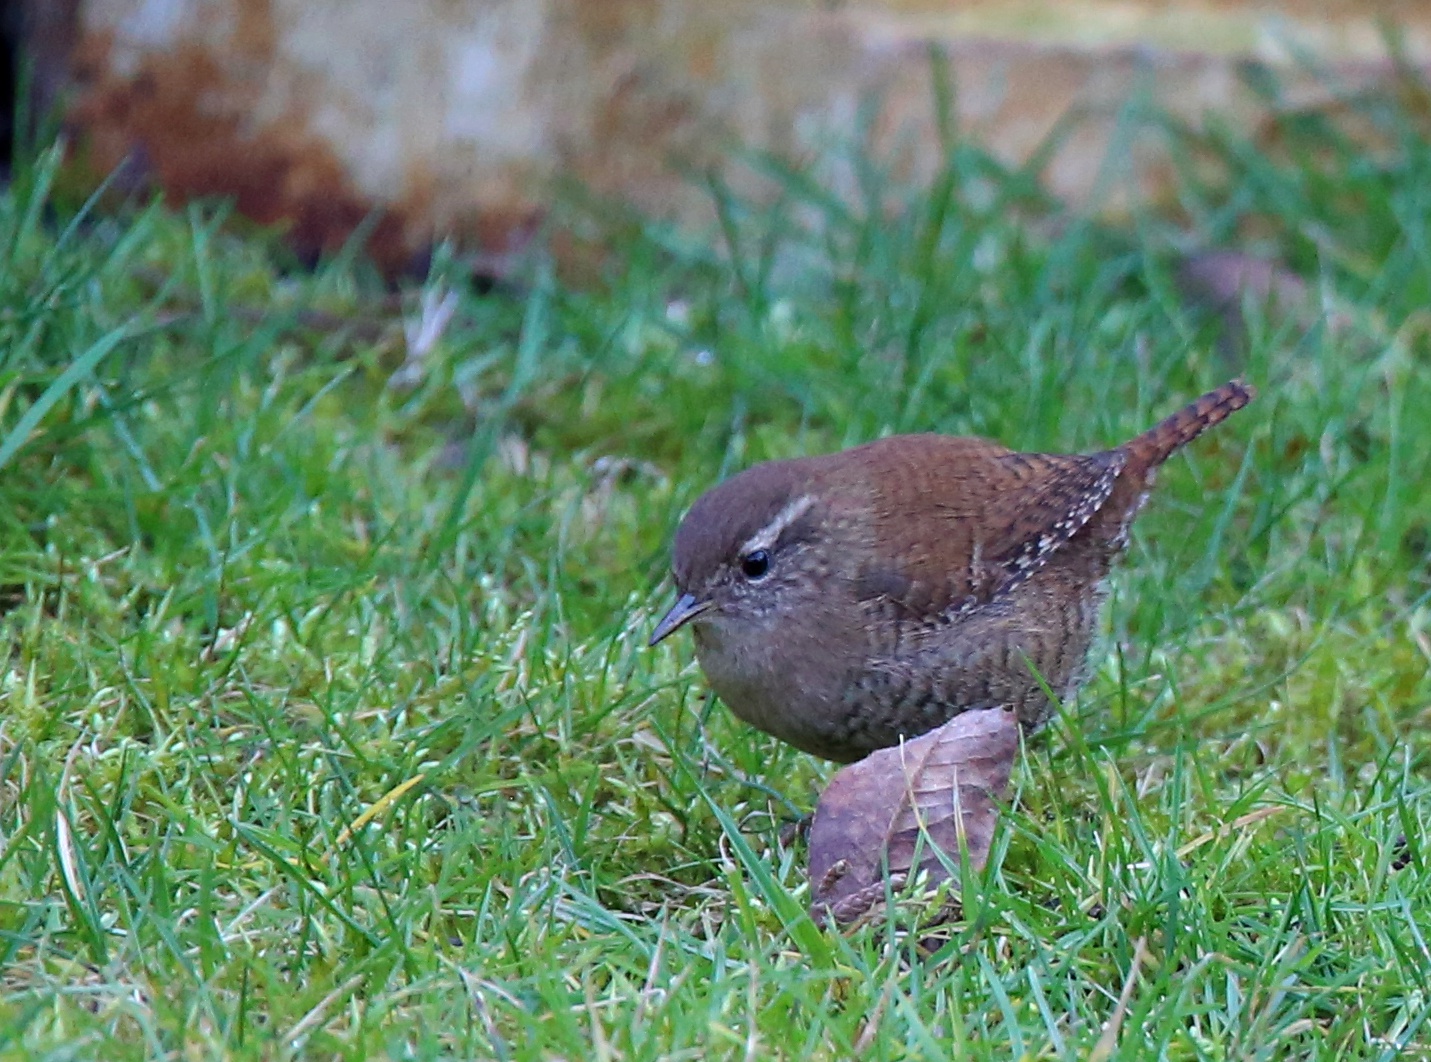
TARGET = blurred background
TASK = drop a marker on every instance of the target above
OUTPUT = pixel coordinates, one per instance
(461, 118)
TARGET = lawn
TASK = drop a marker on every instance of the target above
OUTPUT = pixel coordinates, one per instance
(329, 729)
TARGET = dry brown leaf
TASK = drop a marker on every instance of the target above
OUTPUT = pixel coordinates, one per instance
(941, 786)
(1221, 279)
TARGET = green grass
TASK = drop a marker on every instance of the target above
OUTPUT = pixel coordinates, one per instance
(327, 726)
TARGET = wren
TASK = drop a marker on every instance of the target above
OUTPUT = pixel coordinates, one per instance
(846, 601)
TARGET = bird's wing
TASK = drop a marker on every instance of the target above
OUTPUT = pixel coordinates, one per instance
(961, 521)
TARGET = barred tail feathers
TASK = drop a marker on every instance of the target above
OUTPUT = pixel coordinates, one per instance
(1164, 439)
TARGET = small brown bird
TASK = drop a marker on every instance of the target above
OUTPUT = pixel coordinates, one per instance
(845, 601)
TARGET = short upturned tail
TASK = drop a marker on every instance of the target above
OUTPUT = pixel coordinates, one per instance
(1161, 441)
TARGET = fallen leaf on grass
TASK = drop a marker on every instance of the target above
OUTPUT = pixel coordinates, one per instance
(914, 800)
(1222, 279)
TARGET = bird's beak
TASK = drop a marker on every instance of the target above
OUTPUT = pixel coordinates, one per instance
(684, 610)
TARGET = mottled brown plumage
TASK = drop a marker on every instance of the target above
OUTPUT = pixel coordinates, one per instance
(845, 601)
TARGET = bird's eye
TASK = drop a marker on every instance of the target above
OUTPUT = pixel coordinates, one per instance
(755, 564)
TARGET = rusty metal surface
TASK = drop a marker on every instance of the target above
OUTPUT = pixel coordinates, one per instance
(454, 117)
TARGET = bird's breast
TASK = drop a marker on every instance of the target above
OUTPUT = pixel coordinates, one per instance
(787, 679)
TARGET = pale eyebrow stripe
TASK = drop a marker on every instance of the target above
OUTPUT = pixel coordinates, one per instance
(767, 535)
